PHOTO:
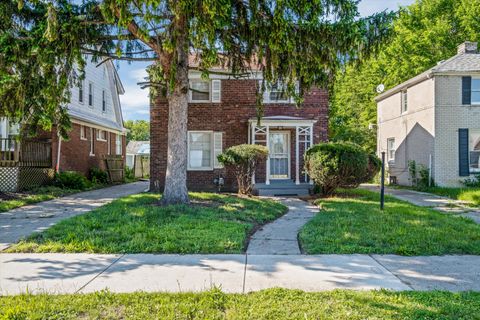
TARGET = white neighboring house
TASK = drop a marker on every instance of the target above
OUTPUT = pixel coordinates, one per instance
(97, 131)
(434, 120)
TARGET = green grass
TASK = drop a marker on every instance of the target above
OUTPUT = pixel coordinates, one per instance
(213, 223)
(471, 195)
(274, 304)
(354, 223)
(36, 195)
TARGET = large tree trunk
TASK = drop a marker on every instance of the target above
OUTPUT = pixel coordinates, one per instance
(176, 176)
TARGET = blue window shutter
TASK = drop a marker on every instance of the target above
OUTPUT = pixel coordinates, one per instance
(463, 153)
(466, 90)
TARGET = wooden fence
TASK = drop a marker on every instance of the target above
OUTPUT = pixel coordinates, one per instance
(26, 153)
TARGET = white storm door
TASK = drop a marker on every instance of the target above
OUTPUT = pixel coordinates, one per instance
(279, 155)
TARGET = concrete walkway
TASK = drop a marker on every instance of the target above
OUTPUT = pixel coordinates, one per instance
(21, 222)
(70, 273)
(423, 199)
(281, 235)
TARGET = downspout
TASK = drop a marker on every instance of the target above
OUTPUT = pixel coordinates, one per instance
(57, 166)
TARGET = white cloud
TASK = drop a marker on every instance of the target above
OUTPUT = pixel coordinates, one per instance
(135, 101)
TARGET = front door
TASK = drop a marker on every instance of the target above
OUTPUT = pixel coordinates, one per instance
(279, 155)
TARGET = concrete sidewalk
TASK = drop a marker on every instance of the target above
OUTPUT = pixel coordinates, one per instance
(21, 222)
(70, 273)
(423, 199)
(281, 236)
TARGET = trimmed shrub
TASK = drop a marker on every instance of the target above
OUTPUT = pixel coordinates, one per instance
(339, 165)
(243, 160)
(71, 180)
(98, 176)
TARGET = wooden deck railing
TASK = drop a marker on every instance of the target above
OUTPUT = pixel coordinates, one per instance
(26, 153)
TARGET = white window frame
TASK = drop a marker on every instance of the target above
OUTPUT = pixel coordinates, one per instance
(81, 92)
(404, 101)
(83, 133)
(118, 145)
(216, 149)
(190, 92)
(109, 143)
(390, 149)
(91, 91)
(104, 101)
(99, 135)
(268, 91)
(92, 142)
(471, 145)
(474, 90)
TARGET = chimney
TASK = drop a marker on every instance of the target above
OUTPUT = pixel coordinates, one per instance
(467, 47)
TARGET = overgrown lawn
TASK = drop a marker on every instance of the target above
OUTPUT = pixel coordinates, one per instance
(278, 304)
(352, 222)
(213, 223)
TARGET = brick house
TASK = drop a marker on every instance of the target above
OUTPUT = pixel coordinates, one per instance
(222, 113)
(434, 119)
(97, 131)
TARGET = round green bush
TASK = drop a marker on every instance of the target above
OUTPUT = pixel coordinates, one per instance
(339, 165)
(243, 159)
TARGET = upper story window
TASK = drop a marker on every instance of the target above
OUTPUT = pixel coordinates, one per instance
(404, 101)
(475, 95)
(277, 93)
(104, 101)
(90, 94)
(205, 90)
(391, 149)
(80, 91)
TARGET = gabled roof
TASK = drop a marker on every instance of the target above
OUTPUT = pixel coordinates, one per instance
(462, 63)
(138, 147)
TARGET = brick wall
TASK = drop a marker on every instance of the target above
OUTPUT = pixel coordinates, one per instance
(450, 116)
(75, 152)
(230, 117)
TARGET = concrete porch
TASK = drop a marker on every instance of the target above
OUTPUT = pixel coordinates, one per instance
(282, 188)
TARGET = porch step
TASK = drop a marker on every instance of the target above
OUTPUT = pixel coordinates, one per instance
(282, 188)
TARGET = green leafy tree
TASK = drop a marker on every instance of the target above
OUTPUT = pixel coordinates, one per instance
(424, 33)
(287, 40)
(139, 130)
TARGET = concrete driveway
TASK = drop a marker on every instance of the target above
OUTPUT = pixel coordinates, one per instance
(21, 222)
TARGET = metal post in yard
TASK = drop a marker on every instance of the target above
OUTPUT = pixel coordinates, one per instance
(382, 183)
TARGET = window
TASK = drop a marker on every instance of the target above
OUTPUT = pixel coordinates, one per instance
(90, 94)
(278, 93)
(80, 91)
(104, 101)
(83, 133)
(475, 91)
(404, 101)
(474, 150)
(92, 142)
(118, 144)
(203, 149)
(109, 144)
(391, 149)
(101, 135)
(200, 91)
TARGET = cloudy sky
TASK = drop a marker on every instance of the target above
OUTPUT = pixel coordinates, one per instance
(135, 103)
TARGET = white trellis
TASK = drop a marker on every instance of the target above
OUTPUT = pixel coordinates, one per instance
(260, 133)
